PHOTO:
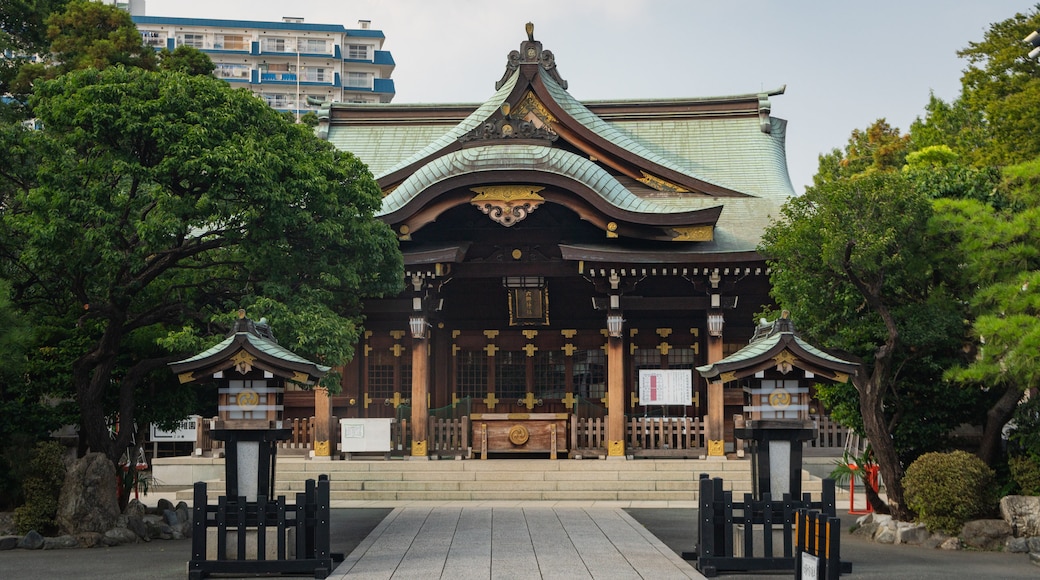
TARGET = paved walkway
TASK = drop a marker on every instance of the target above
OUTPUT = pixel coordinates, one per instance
(515, 542)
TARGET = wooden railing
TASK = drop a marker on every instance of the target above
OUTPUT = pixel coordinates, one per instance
(665, 436)
(302, 434)
(830, 435)
(644, 436)
(448, 436)
(588, 435)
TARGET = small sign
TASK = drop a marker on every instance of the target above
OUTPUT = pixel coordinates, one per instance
(185, 431)
(810, 566)
(665, 387)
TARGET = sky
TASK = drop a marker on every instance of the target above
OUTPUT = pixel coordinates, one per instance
(844, 64)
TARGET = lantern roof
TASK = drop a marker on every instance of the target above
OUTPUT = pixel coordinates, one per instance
(250, 346)
(777, 345)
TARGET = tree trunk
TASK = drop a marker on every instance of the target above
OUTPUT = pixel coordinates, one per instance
(996, 417)
(884, 448)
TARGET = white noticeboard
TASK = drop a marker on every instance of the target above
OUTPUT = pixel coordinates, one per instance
(810, 566)
(185, 431)
(665, 387)
(358, 435)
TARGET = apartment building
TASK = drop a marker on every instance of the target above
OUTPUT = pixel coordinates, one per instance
(288, 62)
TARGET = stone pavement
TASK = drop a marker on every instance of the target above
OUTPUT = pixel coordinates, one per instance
(491, 540)
(516, 542)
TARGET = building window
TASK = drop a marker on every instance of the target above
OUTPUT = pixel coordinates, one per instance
(314, 45)
(510, 375)
(388, 374)
(193, 40)
(153, 39)
(590, 378)
(232, 71)
(317, 74)
(276, 45)
(231, 42)
(279, 101)
(471, 374)
(358, 51)
(550, 375)
(359, 80)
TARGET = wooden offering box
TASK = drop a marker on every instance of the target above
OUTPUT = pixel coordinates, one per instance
(519, 433)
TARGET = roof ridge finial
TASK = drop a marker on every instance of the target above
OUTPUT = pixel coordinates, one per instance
(530, 31)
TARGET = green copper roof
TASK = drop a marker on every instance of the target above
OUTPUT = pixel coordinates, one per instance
(534, 157)
(767, 342)
(610, 132)
(730, 152)
(269, 348)
(449, 138)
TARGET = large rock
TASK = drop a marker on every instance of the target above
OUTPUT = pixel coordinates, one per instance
(88, 498)
(886, 532)
(986, 534)
(1022, 513)
(60, 542)
(118, 536)
(911, 533)
(31, 541)
(134, 509)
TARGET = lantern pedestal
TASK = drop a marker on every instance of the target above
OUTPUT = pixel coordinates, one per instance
(249, 463)
(776, 454)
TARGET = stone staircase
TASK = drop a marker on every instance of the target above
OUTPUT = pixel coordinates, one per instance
(644, 480)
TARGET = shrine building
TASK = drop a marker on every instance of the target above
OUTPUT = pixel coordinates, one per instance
(559, 253)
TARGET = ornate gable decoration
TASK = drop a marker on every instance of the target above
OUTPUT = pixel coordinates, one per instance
(507, 204)
(531, 53)
(506, 125)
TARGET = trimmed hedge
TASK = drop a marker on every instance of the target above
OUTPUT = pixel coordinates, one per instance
(42, 487)
(948, 489)
(1025, 470)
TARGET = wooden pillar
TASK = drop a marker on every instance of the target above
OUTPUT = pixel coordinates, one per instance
(716, 404)
(615, 398)
(420, 394)
(322, 422)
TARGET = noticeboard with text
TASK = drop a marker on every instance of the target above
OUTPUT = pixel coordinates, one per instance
(184, 431)
(665, 387)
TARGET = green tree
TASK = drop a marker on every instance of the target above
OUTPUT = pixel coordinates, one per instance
(996, 119)
(879, 147)
(1000, 249)
(165, 202)
(850, 259)
(80, 34)
(186, 59)
(23, 35)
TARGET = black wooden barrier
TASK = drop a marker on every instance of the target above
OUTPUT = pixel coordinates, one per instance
(718, 515)
(309, 517)
(817, 536)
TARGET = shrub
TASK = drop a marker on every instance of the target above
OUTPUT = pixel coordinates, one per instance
(948, 489)
(1025, 471)
(42, 487)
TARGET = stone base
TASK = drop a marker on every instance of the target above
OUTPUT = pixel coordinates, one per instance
(270, 547)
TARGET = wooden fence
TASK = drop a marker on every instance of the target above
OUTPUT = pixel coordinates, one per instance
(755, 535)
(266, 536)
(830, 435)
(644, 436)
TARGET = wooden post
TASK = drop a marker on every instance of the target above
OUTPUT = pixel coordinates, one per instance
(615, 398)
(322, 422)
(420, 391)
(716, 404)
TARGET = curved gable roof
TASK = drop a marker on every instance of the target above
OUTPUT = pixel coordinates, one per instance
(520, 157)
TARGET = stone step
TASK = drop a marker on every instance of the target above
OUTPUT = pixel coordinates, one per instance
(512, 480)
